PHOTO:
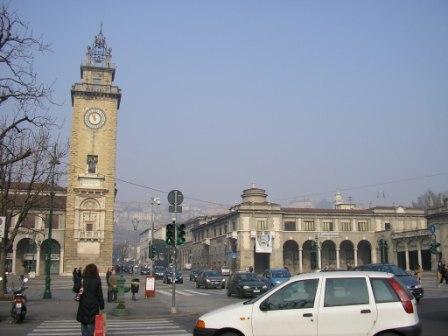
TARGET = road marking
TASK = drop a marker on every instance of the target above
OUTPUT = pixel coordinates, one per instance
(161, 327)
(195, 292)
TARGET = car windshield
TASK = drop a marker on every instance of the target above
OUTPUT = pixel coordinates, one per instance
(397, 271)
(280, 274)
(248, 277)
(212, 273)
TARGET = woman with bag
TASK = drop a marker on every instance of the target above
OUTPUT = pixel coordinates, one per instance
(91, 300)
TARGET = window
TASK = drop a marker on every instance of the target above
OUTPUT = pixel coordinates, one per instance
(345, 292)
(363, 226)
(308, 226)
(387, 226)
(96, 79)
(89, 227)
(290, 226)
(214, 232)
(346, 226)
(298, 295)
(54, 221)
(92, 161)
(220, 230)
(29, 222)
(382, 291)
(327, 226)
(262, 225)
(234, 226)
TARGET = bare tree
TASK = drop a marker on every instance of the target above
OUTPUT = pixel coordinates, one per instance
(24, 184)
(430, 199)
(21, 91)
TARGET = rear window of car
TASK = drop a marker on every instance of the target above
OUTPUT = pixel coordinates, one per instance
(280, 274)
(212, 273)
(345, 292)
(383, 292)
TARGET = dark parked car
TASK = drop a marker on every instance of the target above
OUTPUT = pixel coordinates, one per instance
(275, 276)
(168, 276)
(412, 284)
(210, 279)
(246, 284)
(194, 275)
(159, 272)
(145, 271)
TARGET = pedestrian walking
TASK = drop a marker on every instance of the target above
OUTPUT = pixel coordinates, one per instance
(76, 281)
(109, 287)
(418, 271)
(112, 286)
(442, 270)
(90, 301)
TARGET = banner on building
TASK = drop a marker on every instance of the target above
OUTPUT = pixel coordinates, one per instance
(263, 244)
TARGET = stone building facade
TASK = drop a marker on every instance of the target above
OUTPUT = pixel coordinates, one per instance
(265, 235)
(91, 174)
(30, 244)
(438, 217)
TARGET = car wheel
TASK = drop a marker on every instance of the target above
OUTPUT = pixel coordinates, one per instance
(197, 284)
(239, 294)
(181, 281)
(418, 300)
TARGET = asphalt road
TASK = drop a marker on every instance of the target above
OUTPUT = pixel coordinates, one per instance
(190, 302)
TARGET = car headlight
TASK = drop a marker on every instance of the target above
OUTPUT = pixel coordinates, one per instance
(223, 280)
(264, 287)
(208, 280)
(246, 287)
(418, 286)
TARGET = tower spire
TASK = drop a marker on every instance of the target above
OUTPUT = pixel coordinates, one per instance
(99, 54)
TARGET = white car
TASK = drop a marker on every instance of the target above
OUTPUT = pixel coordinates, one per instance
(321, 304)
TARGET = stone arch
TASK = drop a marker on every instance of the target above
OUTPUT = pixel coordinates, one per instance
(328, 254)
(26, 258)
(291, 256)
(55, 256)
(90, 203)
(347, 254)
(364, 252)
(309, 256)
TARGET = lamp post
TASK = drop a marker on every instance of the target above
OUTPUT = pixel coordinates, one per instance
(154, 201)
(135, 223)
(382, 243)
(54, 161)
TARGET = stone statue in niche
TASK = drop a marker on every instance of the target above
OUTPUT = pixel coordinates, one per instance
(92, 161)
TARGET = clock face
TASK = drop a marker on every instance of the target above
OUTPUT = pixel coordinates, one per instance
(95, 118)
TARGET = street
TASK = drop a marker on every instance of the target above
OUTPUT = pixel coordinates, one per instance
(152, 316)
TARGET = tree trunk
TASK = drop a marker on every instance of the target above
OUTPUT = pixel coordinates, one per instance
(3, 253)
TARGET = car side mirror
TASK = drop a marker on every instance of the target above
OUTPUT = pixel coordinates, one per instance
(264, 306)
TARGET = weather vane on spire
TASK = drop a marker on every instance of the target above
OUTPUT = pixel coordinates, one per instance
(98, 53)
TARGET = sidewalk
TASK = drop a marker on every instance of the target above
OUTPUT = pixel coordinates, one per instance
(63, 306)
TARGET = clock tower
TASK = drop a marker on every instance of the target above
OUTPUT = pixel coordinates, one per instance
(91, 173)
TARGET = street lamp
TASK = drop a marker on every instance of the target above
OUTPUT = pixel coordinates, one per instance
(154, 201)
(382, 243)
(135, 223)
(54, 161)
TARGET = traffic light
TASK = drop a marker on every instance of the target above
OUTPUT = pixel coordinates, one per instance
(151, 251)
(169, 237)
(180, 234)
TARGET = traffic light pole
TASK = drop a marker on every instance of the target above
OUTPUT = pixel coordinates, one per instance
(173, 279)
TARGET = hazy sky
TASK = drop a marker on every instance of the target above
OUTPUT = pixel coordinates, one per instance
(296, 96)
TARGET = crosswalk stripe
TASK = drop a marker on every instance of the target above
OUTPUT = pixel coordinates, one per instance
(161, 327)
(195, 292)
(183, 293)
